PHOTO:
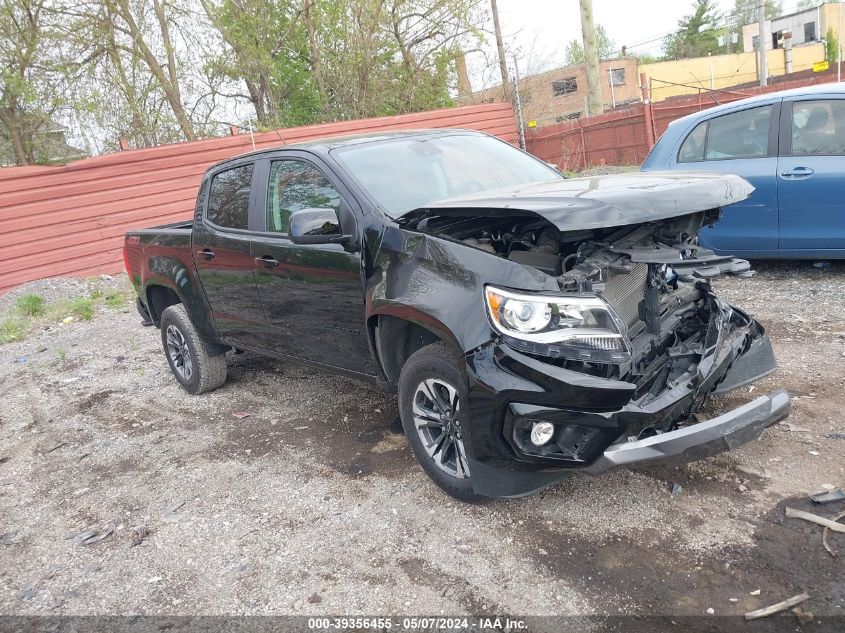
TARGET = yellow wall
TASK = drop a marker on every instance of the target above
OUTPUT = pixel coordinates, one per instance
(728, 70)
(833, 17)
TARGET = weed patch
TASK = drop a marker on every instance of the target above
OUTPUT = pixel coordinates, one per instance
(30, 305)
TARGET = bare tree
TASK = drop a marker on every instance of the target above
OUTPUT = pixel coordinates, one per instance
(130, 30)
(158, 71)
(426, 30)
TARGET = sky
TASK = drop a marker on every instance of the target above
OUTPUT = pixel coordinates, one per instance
(538, 30)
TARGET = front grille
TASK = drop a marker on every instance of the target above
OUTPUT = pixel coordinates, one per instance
(625, 291)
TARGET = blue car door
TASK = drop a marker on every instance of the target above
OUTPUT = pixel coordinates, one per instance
(811, 173)
(742, 142)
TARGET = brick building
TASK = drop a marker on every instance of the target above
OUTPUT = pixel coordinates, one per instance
(560, 94)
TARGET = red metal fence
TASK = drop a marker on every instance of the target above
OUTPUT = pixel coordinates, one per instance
(70, 220)
(624, 137)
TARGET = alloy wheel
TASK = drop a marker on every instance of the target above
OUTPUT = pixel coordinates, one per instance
(179, 353)
(436, 410)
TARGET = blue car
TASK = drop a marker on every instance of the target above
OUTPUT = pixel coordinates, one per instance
(791, 146)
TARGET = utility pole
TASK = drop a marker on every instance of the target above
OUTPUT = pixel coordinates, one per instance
(787, 53)
(591, 57)
(612, 92)
(761, 43)
(839, 57)
(464, 85)
(518, 104)
(503, 63)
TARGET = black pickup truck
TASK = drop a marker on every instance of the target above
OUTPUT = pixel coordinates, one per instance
(532, 325)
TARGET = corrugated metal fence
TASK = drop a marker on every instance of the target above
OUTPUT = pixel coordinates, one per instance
(70, 220)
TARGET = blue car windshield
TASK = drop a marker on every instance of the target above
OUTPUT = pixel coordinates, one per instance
(404, 174)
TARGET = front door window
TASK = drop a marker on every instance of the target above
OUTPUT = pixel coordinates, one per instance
(295, 185)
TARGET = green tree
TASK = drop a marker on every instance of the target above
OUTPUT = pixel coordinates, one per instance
(574, 53)
(745, 11)
(831, 46)
(428, 35)
(381, 57)
(267, 50)
(37, 68)
(303, 61)
(803, 5)
(647, 58)
(696, 35)
(157, 71)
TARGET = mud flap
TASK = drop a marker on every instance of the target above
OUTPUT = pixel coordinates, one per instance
(146, 319)
(757, 362)
(509, 484)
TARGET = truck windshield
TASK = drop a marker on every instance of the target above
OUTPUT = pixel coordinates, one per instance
(404, 174)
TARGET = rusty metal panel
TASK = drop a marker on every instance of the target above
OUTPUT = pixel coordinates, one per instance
(70, 219)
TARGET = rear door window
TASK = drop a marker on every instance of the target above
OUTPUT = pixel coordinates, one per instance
(228, 198)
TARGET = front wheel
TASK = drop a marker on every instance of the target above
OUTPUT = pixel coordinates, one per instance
(433, 398)
(194, 368)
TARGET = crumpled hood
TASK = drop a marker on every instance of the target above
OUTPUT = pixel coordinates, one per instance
(602, 201)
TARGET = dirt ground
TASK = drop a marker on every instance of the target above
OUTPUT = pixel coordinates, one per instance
(289, 491)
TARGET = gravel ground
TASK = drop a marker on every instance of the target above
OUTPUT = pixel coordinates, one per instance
(57, 289)
(606, 170)
(311, 503)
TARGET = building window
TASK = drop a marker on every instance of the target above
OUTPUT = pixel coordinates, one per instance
(565, 86)
(809, 31)
(617, 76)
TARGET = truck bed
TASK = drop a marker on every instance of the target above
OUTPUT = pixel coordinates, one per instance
(172, 228)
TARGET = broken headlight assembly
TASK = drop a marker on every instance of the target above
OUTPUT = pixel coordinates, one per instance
(575, 327)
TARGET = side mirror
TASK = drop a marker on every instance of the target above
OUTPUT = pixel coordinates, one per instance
(316, 226)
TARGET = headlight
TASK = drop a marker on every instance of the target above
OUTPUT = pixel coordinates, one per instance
(575, 327)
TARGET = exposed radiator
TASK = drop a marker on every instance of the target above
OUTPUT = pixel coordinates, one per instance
(625, 291)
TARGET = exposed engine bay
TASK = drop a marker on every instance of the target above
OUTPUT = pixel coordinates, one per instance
(654, 276)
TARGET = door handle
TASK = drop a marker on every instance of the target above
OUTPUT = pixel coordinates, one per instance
(268, 261)
(797, 172)
(207, 253)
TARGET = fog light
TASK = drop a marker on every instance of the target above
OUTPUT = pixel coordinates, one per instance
(541, 432)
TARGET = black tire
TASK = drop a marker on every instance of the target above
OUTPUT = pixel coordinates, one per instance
(199, 370)
(437, 367)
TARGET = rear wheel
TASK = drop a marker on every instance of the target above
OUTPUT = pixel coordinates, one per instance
(433, 399)
(195, 369)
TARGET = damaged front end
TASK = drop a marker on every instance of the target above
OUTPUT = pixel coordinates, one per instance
(618, 362)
